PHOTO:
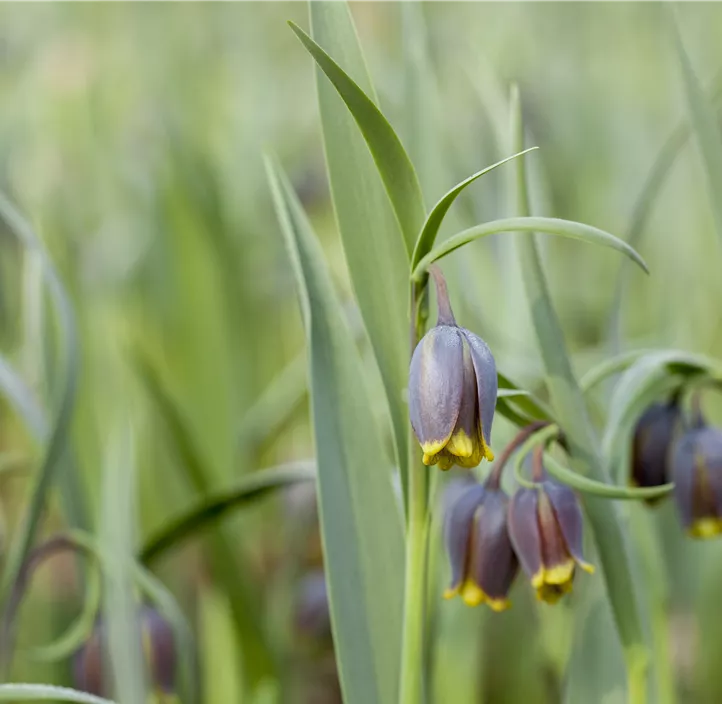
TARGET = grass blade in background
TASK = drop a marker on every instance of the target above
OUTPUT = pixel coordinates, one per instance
(704, 125)
(225, 561)
(46, 692)
(568, 402)
(360, 520)
(58, 438)
(377, 252)
(213, 507)
(120, 606)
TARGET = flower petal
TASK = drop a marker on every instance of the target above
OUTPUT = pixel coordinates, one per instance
(458, 523)
(557, 560)
(435, 386)
(569, 518)
(486, 381)
(493, 563)
(464, 440)
(524, 530)
(652, 440)
(683, 475)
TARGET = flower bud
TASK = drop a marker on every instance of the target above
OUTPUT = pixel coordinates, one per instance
(452, 391)
(697, 475)
(653, 438)
(158, 647)
(545, 526)
(483, 563)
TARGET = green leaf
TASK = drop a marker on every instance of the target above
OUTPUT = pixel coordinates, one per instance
(704, 124)
(375, 249)
(534, 407)
(214, 506)
(433, 222)
(577, 481)
(360, 520)
(46, 692)
(392, 161)
(59, 431)
(120, 609)
(550, 226)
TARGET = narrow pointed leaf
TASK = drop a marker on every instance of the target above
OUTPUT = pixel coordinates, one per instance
(213, 507)
(46, 692)
(549, 226)
(704, 125)
(427, 237)
(376, 254)
(360, 519)
(392, 161)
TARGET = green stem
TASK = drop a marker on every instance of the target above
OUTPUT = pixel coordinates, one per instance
(411, 686)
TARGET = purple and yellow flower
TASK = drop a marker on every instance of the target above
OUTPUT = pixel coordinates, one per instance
(483, 563)
(545, 526)
(697, 474)
(452, 391)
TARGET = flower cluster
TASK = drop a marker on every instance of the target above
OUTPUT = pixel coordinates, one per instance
(488, 536)
(668, 447)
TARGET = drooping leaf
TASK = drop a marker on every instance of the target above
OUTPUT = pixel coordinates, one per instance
(550, 226)
(360, 520)
(427, 237)
(59, 431)
(214, 506)
(377, 253)
(392, 161)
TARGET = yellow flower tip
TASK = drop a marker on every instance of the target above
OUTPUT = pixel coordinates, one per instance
(429, 460)
(498, 605)
(451, 592)
(706, 528)
(551, 593)
(537, 580)
(472, 594)
(486, 451)
(460, 444)
(588, 568)
(445, 461)
(433, 447)
(559, 574)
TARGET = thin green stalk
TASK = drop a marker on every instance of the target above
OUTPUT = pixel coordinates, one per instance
(411, 686)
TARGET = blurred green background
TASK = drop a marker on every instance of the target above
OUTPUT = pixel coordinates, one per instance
(132, 137)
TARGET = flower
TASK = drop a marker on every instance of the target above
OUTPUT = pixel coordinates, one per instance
(545, 526)
(158, 646)
(697, 473)
(452, 391)
(653, 437)
(483, 563)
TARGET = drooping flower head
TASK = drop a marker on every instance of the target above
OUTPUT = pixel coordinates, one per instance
(452, 390)
(697, 475)
(545, 526)
(157, 643)
(653, 436)
(483, 563)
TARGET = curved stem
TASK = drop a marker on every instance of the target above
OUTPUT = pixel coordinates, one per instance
(411, 685)
(520, 438)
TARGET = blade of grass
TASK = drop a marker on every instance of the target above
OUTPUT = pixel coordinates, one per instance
(216, 505)
(46, 692)
(572, 414)
(360, 521)
(225, 561)
(120, 608)
(372, 239)
(392, 161)
(59, 433)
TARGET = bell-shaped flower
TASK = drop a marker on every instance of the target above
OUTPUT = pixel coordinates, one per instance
(697, 475)
(483, 563)
(157, 644)
(452, 391)
(653, 437)
(545, 526)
